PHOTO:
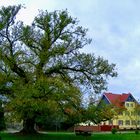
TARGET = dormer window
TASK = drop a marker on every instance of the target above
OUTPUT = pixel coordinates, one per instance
(127, 104)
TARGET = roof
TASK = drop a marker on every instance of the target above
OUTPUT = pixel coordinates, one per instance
(117, 99)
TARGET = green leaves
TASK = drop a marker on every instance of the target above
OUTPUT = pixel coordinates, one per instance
(46, 67)
(98, 114)
(8, 15)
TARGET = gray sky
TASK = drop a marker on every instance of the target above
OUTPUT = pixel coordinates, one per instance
(114, 26)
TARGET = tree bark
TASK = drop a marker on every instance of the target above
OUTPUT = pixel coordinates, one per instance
(28, 126)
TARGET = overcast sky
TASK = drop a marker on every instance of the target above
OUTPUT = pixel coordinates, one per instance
(114, 26)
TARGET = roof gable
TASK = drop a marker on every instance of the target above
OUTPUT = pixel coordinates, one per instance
(119, 99)
(131, 99)
(105, 100)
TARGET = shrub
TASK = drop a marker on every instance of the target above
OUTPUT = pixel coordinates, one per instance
(114, 130)
(137, 131)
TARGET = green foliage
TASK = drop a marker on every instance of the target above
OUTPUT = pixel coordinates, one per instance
(42, 66)
(114, 130)
(136, 131)
(98, 114)
(46, 95)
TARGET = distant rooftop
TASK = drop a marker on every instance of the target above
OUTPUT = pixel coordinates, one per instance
(118, 99)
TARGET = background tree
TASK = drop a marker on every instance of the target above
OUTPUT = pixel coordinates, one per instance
(98, 111)
(60, 121)
(43, 66)
(98, 114)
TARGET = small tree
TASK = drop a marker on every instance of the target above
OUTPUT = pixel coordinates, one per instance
(114, 130)
(100, 114)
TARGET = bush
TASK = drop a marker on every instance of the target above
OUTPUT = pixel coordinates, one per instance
(136, 131)
(114, 130)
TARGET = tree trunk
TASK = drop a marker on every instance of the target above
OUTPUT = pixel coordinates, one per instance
(28, 126)
(2, 121)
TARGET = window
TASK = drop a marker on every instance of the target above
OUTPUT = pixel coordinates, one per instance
(138, 113)
(110, 122)
(120, 122)
(127, 104)
(131, 104)
(138, 122)
(133, 122)
(127, 122)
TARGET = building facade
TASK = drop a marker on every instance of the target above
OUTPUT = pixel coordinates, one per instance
(128, 114)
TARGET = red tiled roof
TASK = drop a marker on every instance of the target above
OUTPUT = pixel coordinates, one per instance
(117, 99)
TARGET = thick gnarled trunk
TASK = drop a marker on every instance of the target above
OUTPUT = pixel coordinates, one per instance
(28, 126)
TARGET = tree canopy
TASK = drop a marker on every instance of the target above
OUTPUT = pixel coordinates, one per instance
(42, 67)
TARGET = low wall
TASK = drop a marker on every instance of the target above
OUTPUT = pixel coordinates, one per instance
(96, 128)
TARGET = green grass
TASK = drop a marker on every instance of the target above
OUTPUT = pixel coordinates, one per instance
(70, 136)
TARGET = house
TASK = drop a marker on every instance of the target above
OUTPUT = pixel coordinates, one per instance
(129, 115)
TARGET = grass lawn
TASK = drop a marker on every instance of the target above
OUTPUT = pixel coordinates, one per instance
(70, 136)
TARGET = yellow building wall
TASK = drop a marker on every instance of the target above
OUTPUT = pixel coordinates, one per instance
(127, 119)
